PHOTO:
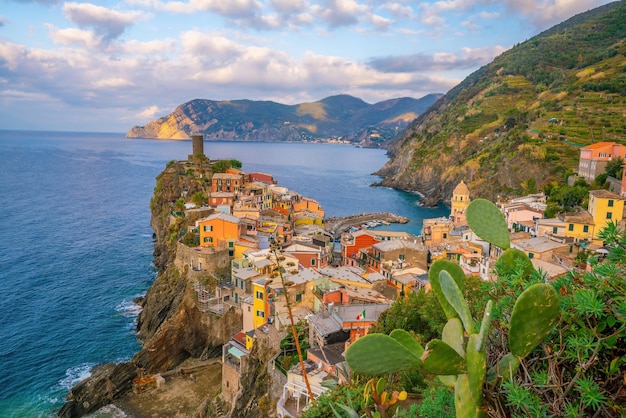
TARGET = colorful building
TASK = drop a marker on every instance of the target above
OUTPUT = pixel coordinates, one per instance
(579, 226)
(224, 182)
(595, 157)
(219, 230)
(605, 207)
(460, 198)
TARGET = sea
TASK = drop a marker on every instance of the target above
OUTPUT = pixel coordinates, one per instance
(76, 243)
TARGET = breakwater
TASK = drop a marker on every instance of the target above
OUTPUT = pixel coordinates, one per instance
(337, 225)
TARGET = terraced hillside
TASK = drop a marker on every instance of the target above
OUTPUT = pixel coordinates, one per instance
(519, 122)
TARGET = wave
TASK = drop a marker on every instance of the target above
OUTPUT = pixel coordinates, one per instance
(128, 308)
(75, 374)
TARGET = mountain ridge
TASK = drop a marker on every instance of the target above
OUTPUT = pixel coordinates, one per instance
(517, 123)
(340, 116)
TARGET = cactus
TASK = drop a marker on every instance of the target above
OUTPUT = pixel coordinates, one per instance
(512, 259)
(379, 354)
(487, 222)
(433, 277)
(460, 357)
(535, 313)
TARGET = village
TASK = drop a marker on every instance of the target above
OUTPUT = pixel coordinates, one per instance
(282, 263)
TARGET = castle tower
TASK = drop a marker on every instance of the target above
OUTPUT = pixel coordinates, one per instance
(460, 198)
(197, 144)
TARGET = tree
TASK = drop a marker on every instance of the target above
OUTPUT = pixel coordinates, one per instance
(614, 168)
(198, 198)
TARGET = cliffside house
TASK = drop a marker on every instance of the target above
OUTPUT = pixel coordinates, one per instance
(223, 182)
(352, 242)
(594, 158)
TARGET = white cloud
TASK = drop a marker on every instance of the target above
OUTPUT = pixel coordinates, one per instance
(337, 13)
(74, 37)
(399, 10)
(149, 112)
(106, 22)
(112, 82)
(381, 23)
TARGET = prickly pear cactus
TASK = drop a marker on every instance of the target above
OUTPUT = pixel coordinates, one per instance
(433, 277)
(379, 354)
(535, 314)
(440, 358)
(513, 259)
(487, 222)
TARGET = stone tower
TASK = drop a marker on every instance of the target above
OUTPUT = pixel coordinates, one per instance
(460, 198)
(197, 144)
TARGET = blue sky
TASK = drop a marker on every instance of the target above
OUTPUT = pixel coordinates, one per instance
(109, 65)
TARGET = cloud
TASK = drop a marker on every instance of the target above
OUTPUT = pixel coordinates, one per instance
(232, 9)
(3, 21)
(379, 22)
(443, 61)
(74, 37)
(338, 13)
(106, 22)
(149, 112)
(544, 13)
(399, 10)
(289, 7)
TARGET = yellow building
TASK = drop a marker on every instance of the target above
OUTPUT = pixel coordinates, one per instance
(605, 207)
(460, 198)
(579, 226)
(309, 205)
(260, 306)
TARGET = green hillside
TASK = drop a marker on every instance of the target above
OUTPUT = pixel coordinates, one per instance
(524, 116)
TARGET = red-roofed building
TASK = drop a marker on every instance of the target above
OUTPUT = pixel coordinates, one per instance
(595, 157)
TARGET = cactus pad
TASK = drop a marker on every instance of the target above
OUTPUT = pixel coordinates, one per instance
(488, 222)
(407, 341)
(453, 335)
(433, 276)
(378, 354)
(513, 259)
(535, 314)
(454, 296)
(440, 358)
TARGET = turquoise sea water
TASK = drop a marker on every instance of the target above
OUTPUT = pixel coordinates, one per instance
(76, 244)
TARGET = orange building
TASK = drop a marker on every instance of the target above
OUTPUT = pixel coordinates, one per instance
(595, 157)
(223, 182)
(306, 204)
(218, 230)
(352, 243)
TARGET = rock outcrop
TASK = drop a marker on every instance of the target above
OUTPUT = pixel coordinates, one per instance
(170, 326)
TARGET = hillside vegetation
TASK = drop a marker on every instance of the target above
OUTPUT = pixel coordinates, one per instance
(337, 117)
(518, 122)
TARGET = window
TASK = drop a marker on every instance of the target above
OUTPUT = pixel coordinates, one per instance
(298, 297)
(230, 244)
(260, 314)
(241, 284)
(259, 294)
(445, 235)
(586, 228)
(208, 228)
(312, 261)
(610, 203)
(555, 229)
(531, 255)
(609, 215)
(570, 227)
(236, 282)
(206, 239)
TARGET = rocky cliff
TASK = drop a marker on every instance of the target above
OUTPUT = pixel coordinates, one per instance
(170, 326)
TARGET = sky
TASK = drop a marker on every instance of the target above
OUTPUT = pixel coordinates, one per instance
(109, 65)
